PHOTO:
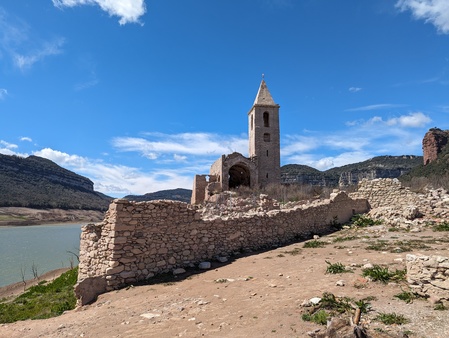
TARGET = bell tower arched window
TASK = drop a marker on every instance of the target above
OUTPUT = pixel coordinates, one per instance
(266, 119)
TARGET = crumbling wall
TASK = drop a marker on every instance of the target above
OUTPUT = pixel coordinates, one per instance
(428, 276)
(385, 192)
(138, 240)
(393, 203)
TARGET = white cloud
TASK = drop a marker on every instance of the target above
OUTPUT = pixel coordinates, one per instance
(355, 89)
(3, 93)
(361, 140)
(340, 160)
(8, 145)
(20, 43)
(377, 107)
(7, 148)
(26, 138)
(179, 158)
(412, 120)
(119, 180)
(156, 145)
(48, 49)
(127, 10)
(433, 11)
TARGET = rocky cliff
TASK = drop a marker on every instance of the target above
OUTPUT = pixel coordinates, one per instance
(433, 143)
(37, 182)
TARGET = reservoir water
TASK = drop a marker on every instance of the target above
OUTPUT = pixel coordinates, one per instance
(43, 246)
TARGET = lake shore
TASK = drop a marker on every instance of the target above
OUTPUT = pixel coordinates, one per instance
(15, 216)
(16, 289)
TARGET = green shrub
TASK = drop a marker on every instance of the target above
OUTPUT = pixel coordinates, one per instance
(332, 303)
(406, 296)
(314, 244)
(391, 318)
(42, 301)
(441, 227)
(440, 307)
(377, 273)
(335, 268)
(319, 317)
(343, 239)
(363, 221)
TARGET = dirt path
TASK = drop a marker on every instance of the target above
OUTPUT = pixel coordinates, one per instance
(258, 295)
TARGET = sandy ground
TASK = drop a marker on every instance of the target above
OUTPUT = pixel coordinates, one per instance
(257, 295)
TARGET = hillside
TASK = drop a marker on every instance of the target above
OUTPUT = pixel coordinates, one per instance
(35, 182)
(377, 167)
(183, 195)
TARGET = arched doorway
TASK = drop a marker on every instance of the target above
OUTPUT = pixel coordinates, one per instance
(239, 175)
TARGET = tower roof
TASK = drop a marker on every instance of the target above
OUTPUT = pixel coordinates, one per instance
(263, 96)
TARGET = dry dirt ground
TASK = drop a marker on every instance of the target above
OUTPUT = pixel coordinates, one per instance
(260, 294)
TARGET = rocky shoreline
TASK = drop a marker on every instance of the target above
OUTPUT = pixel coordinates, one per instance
(15, 289)
(14, 216)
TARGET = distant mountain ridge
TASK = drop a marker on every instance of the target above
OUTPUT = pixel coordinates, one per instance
(376, 167)
(36, 182)
(179, 194)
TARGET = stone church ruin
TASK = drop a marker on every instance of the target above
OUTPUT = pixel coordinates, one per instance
(137, 241)
(262, 167)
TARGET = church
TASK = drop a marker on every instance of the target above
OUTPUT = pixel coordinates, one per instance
(261, 168)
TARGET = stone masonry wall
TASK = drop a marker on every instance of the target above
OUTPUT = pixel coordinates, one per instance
(138, 240)
(393, 203)
(429, 276)
(385, 192)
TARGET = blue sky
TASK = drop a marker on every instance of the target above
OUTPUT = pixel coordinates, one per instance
(140, 96)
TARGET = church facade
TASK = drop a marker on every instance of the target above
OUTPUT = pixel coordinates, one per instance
(261, 168)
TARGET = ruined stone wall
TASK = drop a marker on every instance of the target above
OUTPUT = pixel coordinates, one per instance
(385, 192)
(138, 240)
(200, 183)
(392, 202)
(429, 276)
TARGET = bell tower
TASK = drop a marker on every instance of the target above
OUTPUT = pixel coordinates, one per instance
(264, 137)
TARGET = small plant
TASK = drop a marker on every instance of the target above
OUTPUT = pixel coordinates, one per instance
(330, 302)
(391, 318)
(441, 227)
(378, 273)
(379, 245)
(343, 239)
(335, 268)
(362, 221)
(363, 304)
(440, 307)
(319, 317)
(221, 280)
(294, 252)
(406, 296)
(314, 244)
